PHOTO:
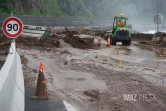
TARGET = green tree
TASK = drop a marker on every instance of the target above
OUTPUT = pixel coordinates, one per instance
(4, 6)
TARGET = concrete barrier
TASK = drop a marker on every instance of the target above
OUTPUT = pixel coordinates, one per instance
(12, 83)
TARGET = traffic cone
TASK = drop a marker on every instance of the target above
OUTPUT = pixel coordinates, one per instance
(99, 41)
(108, 42)
(41, 88)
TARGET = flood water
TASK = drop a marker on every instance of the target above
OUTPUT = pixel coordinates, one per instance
(136, 56)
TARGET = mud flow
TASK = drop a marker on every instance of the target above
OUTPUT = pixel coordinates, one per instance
(95, 78)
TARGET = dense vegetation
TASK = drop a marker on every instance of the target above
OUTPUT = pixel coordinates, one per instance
(4, 6)
(83, 8)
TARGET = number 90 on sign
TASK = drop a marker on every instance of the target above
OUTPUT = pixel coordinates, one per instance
(12, 27)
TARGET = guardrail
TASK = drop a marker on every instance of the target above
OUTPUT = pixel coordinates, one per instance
(12, 83)
(34, 29)
(40, 30)
(148, 25)
(104, 28)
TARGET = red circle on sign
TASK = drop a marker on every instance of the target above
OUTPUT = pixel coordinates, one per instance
(19, 23)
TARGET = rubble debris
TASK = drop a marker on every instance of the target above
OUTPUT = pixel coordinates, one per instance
(56, 36)
(4, 42)
(143, 42)
(77, 42)
(92, 93)
(82, 43)
(1, 63)
(163, 44)
(69, 37)
(46, 42)
(28, 41)
(4, 52)
(141, 36)
(67, 32)
(65, 52)
(48, 49)
(24, 60)
(35, 71)
(159, 36)
(157, 39)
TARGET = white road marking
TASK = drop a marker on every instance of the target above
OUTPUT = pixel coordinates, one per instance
(69, 107)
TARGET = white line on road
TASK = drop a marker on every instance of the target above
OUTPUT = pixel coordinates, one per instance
(69, 107)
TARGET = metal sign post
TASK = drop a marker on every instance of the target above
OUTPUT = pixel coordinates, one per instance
(11, 14)
(157, 22)
(158, 19)
(47, 33)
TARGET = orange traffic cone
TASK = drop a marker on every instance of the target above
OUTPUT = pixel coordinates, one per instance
(41, 88)
(99, 41)
(41, 66)
(108, 42)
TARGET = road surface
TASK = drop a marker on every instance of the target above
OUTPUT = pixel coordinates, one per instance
(42, 105)
(99, 79)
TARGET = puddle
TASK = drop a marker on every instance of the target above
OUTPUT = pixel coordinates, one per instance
(113, 61)
(160, 53)
(157, 53)
(136, 56)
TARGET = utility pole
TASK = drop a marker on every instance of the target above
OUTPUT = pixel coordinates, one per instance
(156, 5)
(157, 15)
(157, 22)
(90, 11)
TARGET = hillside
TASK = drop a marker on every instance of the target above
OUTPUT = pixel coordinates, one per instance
(84, 8)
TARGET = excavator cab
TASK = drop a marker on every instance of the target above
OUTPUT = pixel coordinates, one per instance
(120, 33)
(119, 22)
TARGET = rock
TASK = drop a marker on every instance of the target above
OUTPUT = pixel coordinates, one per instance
(156, 39)
(65, 51)
(34, 70)
(55, 36)
(24, 60)
(56, 43)
(164, 39)
(35, 55)
(82, 43)
(65, 62)
(48, 49)
(92, 93)
(57, 52)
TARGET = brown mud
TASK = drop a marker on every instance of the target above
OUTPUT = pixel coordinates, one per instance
(96, 79)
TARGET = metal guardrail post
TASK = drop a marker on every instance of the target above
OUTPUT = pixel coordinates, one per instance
(47, 33)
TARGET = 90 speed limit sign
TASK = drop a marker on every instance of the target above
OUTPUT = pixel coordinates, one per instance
(12, 27)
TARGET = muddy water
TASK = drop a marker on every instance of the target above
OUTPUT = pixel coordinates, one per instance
(136, 56)
(152, 57)
(70, 75)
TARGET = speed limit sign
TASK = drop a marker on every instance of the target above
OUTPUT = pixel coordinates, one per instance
(12, 27)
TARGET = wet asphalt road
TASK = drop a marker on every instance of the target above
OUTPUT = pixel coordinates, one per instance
(42, 105)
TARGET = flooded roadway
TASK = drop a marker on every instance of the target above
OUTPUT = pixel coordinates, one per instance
(110, 72)
(135, 55)
(149, 62)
